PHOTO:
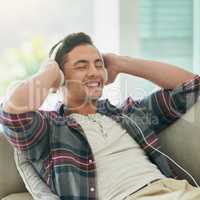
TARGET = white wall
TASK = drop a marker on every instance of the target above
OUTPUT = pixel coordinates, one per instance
(106, 28)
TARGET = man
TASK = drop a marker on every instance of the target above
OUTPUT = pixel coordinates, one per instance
(88, 148)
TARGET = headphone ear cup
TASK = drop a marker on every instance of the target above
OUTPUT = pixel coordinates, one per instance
(106, 75)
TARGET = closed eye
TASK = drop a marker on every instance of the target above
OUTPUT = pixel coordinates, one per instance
(99, 66)
(81, 67)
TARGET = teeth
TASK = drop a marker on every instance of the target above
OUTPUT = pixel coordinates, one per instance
(93, 84)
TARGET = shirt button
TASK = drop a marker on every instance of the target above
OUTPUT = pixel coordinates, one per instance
(92, 189)
(90, 161)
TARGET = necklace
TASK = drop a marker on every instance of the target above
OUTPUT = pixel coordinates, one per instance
(103, 133)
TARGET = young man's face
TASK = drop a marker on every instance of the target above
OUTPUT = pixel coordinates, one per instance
(84, 73)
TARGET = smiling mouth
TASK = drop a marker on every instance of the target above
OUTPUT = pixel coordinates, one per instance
(94, 84)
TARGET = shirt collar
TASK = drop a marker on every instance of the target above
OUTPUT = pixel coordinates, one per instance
(103, 106)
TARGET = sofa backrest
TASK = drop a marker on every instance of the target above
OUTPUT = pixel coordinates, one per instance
(181, 141)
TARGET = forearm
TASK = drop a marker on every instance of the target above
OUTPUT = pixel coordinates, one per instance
(165, 75)
(31, 93)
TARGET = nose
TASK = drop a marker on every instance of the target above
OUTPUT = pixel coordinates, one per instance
(92, 71)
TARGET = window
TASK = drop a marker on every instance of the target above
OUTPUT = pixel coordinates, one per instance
(166, 31)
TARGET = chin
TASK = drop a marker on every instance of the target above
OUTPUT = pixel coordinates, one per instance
(90, 97)
(95, 95)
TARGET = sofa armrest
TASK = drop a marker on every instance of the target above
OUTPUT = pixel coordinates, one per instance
(18, 196)
(10, 180)
(181, 141)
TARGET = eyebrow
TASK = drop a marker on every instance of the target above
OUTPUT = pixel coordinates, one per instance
(86, 61)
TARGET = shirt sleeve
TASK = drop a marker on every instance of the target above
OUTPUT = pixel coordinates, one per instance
(27, 132)
(165, 106)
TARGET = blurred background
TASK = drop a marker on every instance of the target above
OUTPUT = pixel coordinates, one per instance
(167, 31)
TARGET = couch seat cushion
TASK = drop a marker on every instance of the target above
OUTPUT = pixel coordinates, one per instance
(18, 196)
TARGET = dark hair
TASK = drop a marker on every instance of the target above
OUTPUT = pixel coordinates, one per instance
(67, 44)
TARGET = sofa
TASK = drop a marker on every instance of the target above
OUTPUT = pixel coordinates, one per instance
(181, 141)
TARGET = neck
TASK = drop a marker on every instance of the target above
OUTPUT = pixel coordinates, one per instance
(81, 107)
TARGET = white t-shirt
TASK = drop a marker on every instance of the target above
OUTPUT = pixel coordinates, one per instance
(122, 166)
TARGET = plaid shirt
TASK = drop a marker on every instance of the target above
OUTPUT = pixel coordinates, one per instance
(57, 147)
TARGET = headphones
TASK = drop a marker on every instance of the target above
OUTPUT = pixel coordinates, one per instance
(106, 74)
